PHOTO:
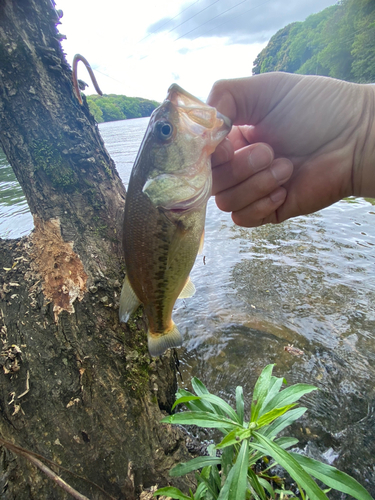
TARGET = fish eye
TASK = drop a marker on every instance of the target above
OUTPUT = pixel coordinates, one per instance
(165, 130)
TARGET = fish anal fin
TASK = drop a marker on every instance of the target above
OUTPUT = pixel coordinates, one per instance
(128, 301)
(159, 343)
(201, 243)
(188, 290)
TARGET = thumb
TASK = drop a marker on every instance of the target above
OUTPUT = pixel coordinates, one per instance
(247, 101)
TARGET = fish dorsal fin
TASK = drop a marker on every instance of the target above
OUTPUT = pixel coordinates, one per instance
(201, 243)
(188, 290)
(128, 301)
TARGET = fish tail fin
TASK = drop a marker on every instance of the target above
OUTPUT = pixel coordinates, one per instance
(159, 343)
(128, 301)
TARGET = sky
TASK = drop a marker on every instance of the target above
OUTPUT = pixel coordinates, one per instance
(140, 48)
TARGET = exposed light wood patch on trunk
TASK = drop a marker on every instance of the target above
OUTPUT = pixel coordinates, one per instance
(63, 276)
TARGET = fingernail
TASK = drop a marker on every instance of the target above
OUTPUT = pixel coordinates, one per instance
(277, 195)
(281, 171)
(260, 157)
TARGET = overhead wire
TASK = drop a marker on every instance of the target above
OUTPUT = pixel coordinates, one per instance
(168, 21)
(175, 27)
(344, 39)
(235, 17)
(212, 18)
(195, 15)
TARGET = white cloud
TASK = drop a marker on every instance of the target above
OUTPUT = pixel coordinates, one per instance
(114, 37)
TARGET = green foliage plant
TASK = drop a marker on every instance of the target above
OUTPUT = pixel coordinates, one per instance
(232, 475)
(338, 42)
(113, 107)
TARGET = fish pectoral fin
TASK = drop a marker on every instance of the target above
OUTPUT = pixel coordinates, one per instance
(128, 301)
(159, 343)
(188, 290)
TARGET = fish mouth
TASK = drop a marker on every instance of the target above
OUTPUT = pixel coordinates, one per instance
(227, 123)
(181, 97)
(198, 111)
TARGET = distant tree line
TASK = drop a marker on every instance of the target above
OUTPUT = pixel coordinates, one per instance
(337, 42)
(108, 108)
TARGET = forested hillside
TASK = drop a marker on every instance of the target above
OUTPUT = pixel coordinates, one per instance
(113, 107)
(337, 42)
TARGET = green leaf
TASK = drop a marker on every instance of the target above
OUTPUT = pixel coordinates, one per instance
(208, 480)
(224, 406)
(286, 492)
(280, 423)
(239, 483)
(270, 416)
(185, 399)
(200, 491)
(240, 404)
(172, 492)
(218, 405)
(283, 442)
(332, 477)
(254, 457)
(255, 484)
(266, 485)
(194, 464)
(292, 466)
(200, 389)
(211, 450)
(286, 442)
(274, 388)
(201, 419)
(227, 460)
(216, 478)
(236, 483)
(234, 437)
(288, 396)
(260, 391)
(196, 405)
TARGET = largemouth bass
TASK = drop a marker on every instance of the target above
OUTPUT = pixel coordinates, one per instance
(165, 211)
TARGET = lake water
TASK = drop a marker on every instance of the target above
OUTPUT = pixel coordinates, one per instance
(308, 282)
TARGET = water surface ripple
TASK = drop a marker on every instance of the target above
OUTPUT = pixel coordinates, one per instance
(308, 282)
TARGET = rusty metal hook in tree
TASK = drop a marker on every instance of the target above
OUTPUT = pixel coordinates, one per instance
(77, 92)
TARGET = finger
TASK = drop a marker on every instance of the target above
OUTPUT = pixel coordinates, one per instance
(261, 211)
(256, 187)
(249, 100)
(223, 153)
(239, 135)
(246, 162)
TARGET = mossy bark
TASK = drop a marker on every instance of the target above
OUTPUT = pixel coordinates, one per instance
(75, 385)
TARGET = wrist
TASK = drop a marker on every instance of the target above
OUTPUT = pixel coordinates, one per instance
(364, 156)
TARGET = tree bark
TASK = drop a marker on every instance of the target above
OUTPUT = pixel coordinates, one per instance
(75, 386)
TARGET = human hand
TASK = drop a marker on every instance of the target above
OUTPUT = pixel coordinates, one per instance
(322, 134)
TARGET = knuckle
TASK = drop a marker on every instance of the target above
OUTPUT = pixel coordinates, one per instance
(219, 85)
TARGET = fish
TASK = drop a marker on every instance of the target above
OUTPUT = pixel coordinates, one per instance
(165, 211)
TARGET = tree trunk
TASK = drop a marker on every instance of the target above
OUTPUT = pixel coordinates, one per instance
(75, 386)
